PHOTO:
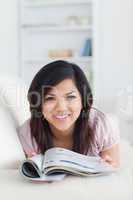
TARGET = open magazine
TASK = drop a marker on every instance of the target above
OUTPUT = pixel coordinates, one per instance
(58, 162)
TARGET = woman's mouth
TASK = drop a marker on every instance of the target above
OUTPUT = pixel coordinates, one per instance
(62, 117)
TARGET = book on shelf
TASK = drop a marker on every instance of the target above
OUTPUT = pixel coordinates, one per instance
(86, 49)
(58, 162)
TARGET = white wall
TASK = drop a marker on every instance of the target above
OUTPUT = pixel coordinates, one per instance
(8, 37)
(115, 49)
(114, 55)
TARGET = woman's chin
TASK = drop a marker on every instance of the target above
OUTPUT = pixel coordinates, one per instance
(63, 128)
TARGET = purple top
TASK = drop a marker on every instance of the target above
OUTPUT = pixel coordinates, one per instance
(105, 128)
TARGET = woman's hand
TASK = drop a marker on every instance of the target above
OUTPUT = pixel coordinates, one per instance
(30, 154)
(109, 160)
(112, 156)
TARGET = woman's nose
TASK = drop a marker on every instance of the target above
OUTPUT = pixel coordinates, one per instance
(62, 104)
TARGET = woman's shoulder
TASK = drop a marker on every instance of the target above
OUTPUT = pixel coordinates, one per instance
(100, 118)
(96, 116)
(28, 143)
(105, 127)
(24, 128)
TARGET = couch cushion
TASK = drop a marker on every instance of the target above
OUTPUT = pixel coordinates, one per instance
(13, 96)
(10, 149)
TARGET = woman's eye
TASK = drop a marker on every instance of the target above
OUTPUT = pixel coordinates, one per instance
(49, 99)
(52, 98)
(71, 97)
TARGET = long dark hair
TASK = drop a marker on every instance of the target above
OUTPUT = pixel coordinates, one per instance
(48, 76)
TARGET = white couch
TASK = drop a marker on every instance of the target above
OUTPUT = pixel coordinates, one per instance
(13, 186)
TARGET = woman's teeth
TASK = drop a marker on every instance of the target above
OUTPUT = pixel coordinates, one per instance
(61, 116)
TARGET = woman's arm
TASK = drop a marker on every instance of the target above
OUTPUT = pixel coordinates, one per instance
(26, 141)
(29, 155)
(112, 155)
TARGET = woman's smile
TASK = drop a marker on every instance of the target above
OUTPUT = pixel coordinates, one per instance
(62, 117)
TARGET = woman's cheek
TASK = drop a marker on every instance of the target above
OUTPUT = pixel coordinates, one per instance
(48, 107)
(77, 106)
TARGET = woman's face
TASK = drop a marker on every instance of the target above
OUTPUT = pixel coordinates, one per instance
(62, 106)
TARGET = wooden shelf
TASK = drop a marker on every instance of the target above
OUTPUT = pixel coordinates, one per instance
(57, 28)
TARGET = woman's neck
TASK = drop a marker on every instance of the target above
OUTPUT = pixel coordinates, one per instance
(63, 144)
(63, 139)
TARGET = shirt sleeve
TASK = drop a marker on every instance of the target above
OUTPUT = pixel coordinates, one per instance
(108, 133)
(29, 148)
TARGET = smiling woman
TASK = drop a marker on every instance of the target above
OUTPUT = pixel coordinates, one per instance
(62, 115)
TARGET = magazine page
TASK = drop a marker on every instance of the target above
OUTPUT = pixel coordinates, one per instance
(62, 157)
(79, 167)
(45, 178)
(31, 167)
(71, 171)
(37, 159)
(31, 170)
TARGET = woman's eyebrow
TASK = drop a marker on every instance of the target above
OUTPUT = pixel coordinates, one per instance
(51, 94)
